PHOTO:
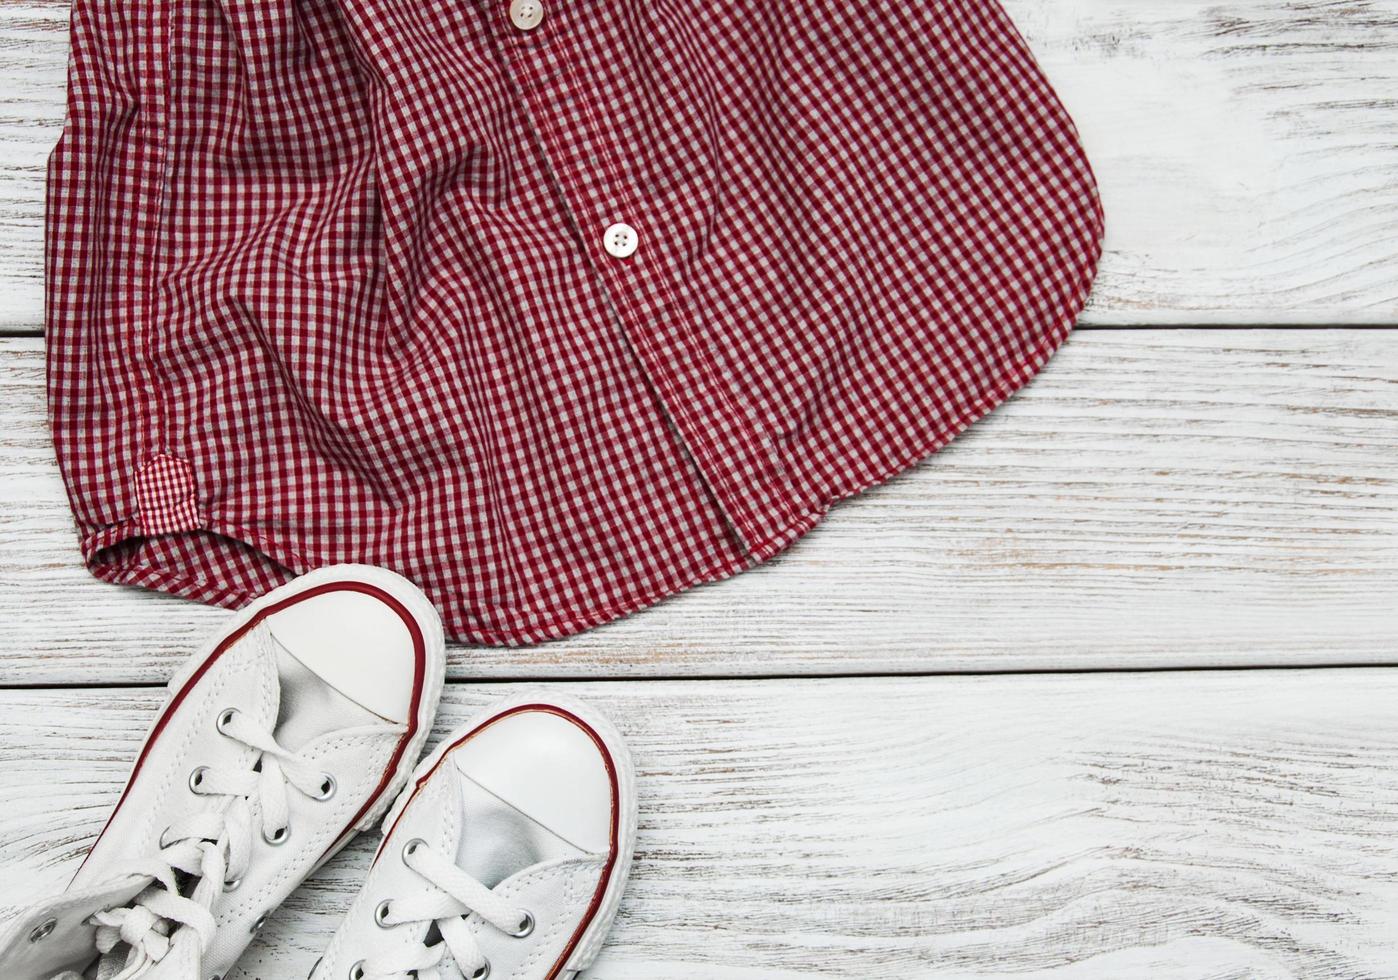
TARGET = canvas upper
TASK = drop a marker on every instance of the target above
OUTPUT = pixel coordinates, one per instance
(506, 856)
(291, 732)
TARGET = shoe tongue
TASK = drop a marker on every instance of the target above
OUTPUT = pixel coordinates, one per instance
(309, 706)
(498, 840)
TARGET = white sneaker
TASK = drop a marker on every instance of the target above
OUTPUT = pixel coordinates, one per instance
(506, 856)
(291, 732)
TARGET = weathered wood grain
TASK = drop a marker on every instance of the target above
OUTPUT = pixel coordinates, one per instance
(1155, 498)
(1237, 825)
(1245, 150)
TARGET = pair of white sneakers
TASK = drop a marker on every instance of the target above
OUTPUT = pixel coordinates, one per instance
(504, 855)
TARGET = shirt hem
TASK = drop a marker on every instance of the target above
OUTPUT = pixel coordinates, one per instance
(101, 550)
(289, 562)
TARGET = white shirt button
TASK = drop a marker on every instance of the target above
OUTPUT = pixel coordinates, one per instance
(621, 241)
(526, 14)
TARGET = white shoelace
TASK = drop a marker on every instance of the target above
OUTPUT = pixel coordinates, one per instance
(452, 895)
(212, 847)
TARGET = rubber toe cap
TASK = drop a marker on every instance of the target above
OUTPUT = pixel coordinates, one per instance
(551, 767)
(357, 642)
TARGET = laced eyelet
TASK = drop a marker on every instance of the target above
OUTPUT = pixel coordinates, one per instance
(356, 972)
(381, 914)
(261, 921)
(225, 718)
(277, 837)
(482, 972)
(410, 848)
(196, 779)
(526, 925)
(42, 931)
(327, 788)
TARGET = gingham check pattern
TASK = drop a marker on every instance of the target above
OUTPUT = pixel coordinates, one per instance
(327, 283)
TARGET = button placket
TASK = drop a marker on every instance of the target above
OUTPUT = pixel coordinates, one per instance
(577, 151)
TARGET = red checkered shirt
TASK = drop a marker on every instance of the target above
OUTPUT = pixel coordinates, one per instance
(554, 306)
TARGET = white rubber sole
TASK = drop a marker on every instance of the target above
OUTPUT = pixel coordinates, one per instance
(593, 938)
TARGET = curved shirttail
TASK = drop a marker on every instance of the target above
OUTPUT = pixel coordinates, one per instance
(555, 318)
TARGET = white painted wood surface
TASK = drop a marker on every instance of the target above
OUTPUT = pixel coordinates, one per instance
(1155, 826)
(1155, 498)
(1245, 150)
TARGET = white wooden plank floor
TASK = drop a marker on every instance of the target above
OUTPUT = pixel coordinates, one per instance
(1120, 825)
(1215, 485)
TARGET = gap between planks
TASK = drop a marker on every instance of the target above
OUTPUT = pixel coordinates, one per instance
(506, 680)
(37, 333)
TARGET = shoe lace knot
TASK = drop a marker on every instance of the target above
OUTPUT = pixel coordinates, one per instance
(206, 853)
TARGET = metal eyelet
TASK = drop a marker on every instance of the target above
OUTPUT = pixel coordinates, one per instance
(196, 779)
(356, 972)
(261, 921)
(410, 848)
(232, 886)
(42, 931)
(327, 788)
(381, 914)
(526, 925)
(277, 837)
(481, 972)
(225, 718)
